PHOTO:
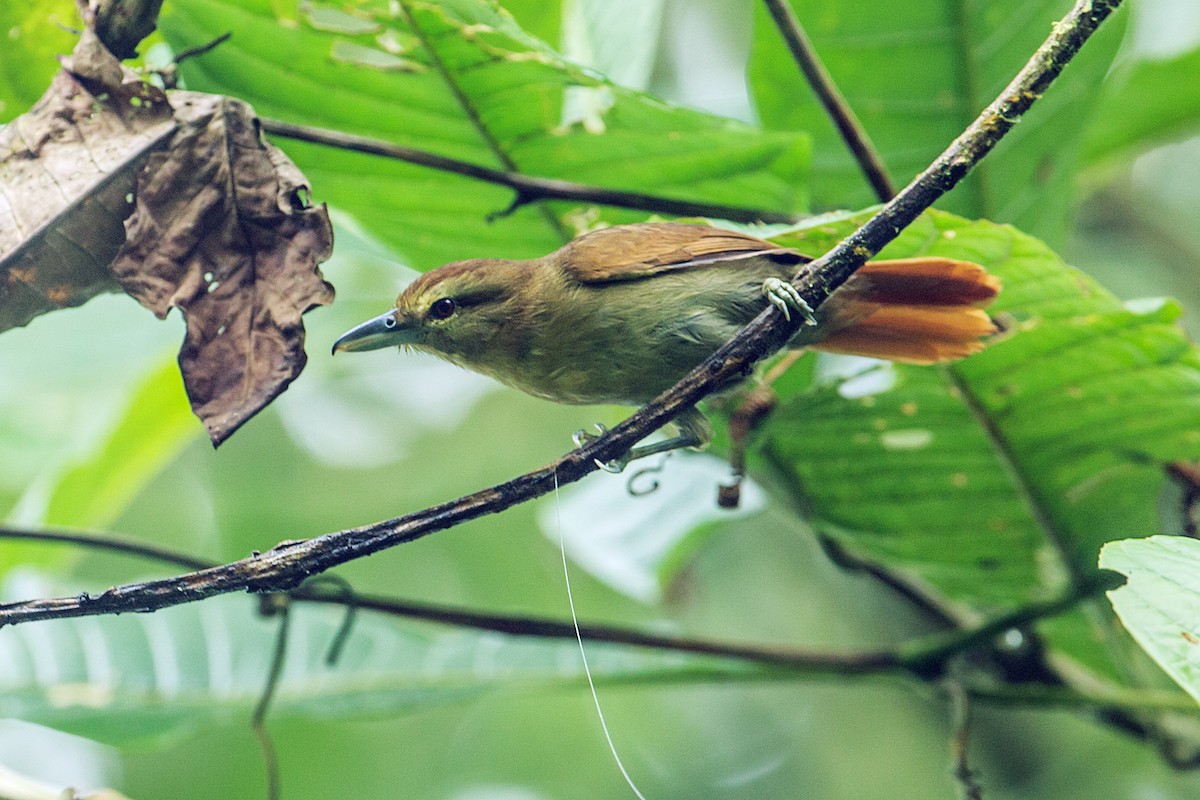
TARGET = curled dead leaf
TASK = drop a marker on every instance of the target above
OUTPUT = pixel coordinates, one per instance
(222, 231)
(221, 227)
(67, 168)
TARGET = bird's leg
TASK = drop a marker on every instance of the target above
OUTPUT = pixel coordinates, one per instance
(745, 419)
(694, 431)
(784, 296)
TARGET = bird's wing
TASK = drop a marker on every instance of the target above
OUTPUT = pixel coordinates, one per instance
(631, 252)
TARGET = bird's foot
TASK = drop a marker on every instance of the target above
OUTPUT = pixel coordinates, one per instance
(582, 437)
(784, 296)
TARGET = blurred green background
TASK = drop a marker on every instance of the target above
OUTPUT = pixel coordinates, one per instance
(94, 432)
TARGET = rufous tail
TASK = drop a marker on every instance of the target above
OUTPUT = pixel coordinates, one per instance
(915, 310)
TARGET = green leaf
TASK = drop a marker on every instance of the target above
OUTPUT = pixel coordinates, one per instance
(142, 677)
(1160, 605)
(540, 18)
(618, 38)
(34, 33)
(156, 425)
(996, 480)
(490, 94)
(1144, 103)
(58, 413)
(916, 74)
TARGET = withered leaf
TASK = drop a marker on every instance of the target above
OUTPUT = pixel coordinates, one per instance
(66, 170)
(220, 227)
(222, 231)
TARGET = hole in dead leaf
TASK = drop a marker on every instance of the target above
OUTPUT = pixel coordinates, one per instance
(221, 331)
(300, 199)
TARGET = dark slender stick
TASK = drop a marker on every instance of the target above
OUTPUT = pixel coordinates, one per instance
(960, 740)
(529, 189)
(466, 104)
(288, 565)
(202, 49)
(839, 111)
(924, 657)
(258, 721)
(792, 659)
(112, 543)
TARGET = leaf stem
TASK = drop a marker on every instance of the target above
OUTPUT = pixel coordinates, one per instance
(925, 657)
(468, 107)
(921, 659)
(528, 189)
(827, 92)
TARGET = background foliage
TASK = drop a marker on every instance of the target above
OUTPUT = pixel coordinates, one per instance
(98, 435)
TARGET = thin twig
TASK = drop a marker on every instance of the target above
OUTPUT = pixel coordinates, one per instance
(925, 657)
(286, 566)
(528, 189)
(274, 606)
(202, 49)
(930, 655)
(919, 658)
(112, 543)
(466, 103)
(839, 111)
(1063, 697)
(960, 740)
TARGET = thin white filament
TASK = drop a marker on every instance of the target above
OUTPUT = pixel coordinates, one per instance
(562, 546)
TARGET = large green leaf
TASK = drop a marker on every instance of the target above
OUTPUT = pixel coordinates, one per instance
(915, 74)
(481, 90)
(995, 481)
(1160, 605)
(34, 32)
(136, 677)
(1145, 103)
(156, 425)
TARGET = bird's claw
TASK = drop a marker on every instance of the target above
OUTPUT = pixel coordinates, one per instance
(582, 437)
(786, 298)
(615, 466)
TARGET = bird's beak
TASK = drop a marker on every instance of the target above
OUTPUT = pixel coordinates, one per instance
(382, 331)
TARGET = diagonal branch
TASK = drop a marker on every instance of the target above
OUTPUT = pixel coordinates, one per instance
(528, 189)
(286, 566)
(839, 111)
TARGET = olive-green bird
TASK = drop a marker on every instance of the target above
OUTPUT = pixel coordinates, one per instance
(619, 315)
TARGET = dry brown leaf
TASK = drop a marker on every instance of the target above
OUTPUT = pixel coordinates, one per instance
(222, 231)
(220, 227)
(67, 168)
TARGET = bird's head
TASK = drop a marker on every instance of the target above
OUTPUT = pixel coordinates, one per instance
(456, 311)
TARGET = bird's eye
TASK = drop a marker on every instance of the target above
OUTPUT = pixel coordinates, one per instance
(442, 308)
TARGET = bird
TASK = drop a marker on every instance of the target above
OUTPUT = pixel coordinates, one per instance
(620, 314)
